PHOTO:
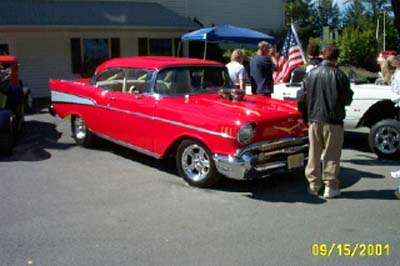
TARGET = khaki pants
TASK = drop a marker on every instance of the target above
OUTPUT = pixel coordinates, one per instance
(327, 140)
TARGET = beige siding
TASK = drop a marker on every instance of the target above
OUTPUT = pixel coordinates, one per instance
(46, 54)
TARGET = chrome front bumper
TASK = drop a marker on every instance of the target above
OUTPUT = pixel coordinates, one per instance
(246, 164)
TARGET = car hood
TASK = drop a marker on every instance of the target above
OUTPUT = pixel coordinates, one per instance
(274, 118)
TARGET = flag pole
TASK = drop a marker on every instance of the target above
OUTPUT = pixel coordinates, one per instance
(298, 41)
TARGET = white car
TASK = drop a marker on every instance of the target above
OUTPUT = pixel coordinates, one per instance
(371, 107)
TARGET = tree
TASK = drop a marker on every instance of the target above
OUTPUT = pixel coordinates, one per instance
(358, 47)
(300, 12)
(396, 10)
(328, 14)
(354, 15)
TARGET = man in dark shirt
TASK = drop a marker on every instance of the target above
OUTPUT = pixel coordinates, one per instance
(262, 66)
(326, 91)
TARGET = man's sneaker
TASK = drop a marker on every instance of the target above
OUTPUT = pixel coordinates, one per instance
(330, 193)
(395, 174)
(312, 190)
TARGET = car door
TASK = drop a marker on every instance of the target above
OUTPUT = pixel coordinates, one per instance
(133, 110)
(108, 82)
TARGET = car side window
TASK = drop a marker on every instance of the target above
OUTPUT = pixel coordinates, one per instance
(111, 80)
(136, 80)
(174, 81)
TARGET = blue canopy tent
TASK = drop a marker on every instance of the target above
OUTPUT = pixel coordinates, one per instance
(227, 33)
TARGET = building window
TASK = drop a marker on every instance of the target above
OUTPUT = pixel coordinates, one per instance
(153, 46)
(95, 51)
(87, 54)
(4, 49)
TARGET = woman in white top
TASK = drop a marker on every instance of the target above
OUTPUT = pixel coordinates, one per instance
(236, 70)
(391, 70)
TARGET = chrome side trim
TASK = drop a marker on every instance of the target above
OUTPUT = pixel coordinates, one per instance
(222, 135)
(71, 98)
(57, 96)
(180, 124)
(127, 145)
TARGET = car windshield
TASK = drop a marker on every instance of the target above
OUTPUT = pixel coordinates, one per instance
(192, 80)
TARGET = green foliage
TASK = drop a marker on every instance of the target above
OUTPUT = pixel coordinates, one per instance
(356, 24)
(358, 48)
(248, 53)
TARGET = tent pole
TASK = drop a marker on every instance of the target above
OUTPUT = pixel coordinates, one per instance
(205, 49)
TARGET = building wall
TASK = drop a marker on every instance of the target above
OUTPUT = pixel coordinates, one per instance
(46, 54)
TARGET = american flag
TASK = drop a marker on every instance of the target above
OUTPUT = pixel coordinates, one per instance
(290, 57)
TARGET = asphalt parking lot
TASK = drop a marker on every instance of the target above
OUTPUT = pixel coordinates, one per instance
(61, 204)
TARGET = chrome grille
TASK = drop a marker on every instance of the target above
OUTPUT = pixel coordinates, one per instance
(272, 151)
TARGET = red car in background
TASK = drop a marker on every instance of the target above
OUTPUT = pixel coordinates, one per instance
(187, 108)
(12, 103)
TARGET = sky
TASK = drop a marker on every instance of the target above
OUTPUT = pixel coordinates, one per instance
(340, 3)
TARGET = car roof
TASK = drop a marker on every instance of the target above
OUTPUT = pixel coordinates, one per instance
(7, 59)
(154, 62)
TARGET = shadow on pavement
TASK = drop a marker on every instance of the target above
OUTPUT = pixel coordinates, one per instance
(372, 161)
(165, 165)
(37, 137)
(385, 194)
(349, 176)
(289, 187)
(356, 141)
(292, 188)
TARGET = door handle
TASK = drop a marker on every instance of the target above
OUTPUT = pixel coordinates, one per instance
(112, 98)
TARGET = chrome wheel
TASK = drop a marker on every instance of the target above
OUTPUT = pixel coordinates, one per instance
(29, 102)
(195, 162)
(80, 130)
(387, 140)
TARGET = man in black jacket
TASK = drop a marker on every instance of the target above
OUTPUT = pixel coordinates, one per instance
(326, 91)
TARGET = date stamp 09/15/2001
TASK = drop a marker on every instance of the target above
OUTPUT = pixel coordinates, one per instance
(350, 250)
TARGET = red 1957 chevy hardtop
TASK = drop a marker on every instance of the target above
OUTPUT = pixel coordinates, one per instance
(188, 108)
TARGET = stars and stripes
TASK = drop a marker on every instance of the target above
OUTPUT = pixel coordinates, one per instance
(290, 57)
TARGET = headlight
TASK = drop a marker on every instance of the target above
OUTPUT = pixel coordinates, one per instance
(246, 133)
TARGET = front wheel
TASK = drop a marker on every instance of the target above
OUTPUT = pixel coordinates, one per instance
(196, 165)
(80, 132)
(384, 139)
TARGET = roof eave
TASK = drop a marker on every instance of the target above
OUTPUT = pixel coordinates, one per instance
(92, 27)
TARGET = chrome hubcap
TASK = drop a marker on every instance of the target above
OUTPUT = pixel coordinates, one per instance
(80, 128)
(387, 140)
(195, 162)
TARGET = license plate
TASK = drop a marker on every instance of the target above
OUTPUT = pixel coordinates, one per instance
(295, 161)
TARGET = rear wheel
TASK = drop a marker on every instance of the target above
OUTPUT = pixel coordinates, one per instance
(196, 165)
(80, 132)
(28, 102)
(384, 139)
